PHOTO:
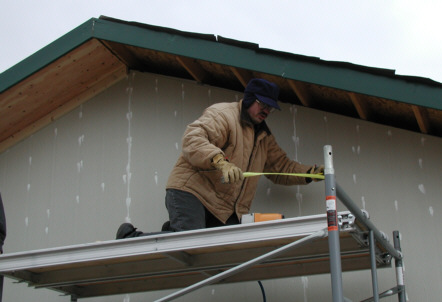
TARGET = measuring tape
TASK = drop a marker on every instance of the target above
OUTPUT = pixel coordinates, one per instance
(251, 174)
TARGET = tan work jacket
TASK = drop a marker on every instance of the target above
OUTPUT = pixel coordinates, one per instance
(221, 130)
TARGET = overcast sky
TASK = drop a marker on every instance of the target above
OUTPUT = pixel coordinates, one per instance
(403, 35)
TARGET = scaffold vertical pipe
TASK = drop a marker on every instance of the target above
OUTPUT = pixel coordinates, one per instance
(333, 226)
(399, 268)
(374, 276)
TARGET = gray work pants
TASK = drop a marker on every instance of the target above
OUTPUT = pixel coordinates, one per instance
(186, 212)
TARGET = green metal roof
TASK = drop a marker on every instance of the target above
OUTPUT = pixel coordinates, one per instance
(340, 75)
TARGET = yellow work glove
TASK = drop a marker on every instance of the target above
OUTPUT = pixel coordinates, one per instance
(231, 173)
(316, 170)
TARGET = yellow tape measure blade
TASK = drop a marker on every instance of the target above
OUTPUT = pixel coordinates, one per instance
(306, 175)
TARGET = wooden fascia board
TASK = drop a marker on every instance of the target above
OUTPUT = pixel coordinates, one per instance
(103, 83)
(47, 55)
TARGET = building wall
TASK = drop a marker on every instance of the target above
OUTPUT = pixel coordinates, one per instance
(107, 162)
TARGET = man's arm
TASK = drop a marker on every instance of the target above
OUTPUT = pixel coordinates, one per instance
(204, 138)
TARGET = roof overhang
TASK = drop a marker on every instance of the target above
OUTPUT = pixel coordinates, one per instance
(99, 53)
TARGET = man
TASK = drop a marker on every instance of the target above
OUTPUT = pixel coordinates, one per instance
(206, 187)
(2, 240)
(2, 225)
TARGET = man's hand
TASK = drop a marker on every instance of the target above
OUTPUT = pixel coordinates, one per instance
(317, 170)
(231, 173)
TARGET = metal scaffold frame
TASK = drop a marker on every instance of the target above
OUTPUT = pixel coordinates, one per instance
(332, 190)
(344, 241)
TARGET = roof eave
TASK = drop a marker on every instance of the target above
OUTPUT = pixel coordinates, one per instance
(275, 63)
(202, 47)
(47, 55)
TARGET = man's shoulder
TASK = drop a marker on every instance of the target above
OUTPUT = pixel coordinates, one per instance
(226, 110)
(224, 106)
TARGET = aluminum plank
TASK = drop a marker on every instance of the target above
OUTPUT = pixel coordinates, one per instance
(174, 260)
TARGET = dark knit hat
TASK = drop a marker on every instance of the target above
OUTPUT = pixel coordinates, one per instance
(263, 90)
